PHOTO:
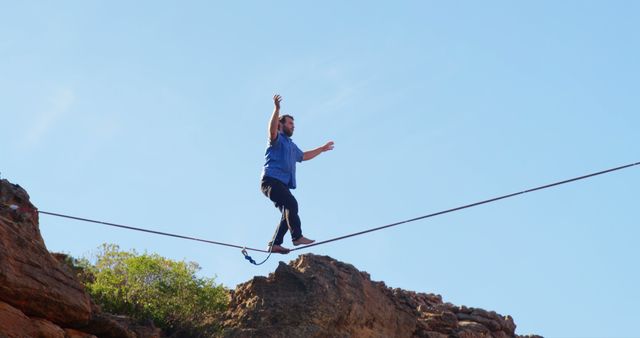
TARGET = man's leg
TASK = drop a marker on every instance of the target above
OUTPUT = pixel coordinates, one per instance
(281, 196)
(290, 219)
(283, 227)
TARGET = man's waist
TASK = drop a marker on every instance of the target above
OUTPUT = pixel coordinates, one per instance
(287, 179)
(277, 171)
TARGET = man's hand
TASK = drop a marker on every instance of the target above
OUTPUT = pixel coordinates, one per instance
(276, 101)
(273, 122)
(328, 146)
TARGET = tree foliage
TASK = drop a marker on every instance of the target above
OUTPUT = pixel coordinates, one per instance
(148, 286)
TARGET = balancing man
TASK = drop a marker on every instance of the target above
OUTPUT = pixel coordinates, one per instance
(279, 176)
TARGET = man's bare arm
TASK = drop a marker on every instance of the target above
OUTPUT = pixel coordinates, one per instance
(273, 123)
(307, 155)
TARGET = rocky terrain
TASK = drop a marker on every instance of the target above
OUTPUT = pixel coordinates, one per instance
(312, 296)
(318, 296)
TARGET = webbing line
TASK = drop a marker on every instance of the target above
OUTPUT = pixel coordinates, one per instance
(468, 206)
(353, 234)
(150, 231)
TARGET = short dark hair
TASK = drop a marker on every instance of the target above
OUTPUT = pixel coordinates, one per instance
(283, 118)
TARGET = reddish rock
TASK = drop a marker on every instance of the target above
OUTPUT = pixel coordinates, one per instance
(46, 328)
(15, 324)
(106, 325)
(317, 296)
(71, 333)
(30, 278)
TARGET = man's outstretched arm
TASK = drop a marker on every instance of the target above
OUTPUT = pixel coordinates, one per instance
(307, 155)
(273, 123)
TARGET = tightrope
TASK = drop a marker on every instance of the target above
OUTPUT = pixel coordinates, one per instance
(245, 249)
(470, 205)
(150, 231)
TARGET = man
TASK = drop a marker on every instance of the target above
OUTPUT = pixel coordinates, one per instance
(279, 176)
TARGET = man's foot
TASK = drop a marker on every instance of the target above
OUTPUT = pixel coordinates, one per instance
(302, 241)
(279, 249)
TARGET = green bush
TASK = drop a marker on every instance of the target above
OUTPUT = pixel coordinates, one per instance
(148, 286)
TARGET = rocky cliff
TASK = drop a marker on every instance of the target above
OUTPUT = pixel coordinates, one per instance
(39, 295)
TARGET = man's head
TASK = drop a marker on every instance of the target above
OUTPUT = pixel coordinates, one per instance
(286, 125)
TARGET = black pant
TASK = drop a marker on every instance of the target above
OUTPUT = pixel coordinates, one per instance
(281, 196)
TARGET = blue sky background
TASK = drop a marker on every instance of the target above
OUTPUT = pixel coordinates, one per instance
(154, 114)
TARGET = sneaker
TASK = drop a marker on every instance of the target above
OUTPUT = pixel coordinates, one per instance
(302, 241)
(279, 249)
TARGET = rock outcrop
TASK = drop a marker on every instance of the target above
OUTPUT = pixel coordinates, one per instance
(30, 278)
(39, 295)
(317, 296)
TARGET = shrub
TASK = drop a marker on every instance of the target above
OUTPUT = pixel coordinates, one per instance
(148, 286)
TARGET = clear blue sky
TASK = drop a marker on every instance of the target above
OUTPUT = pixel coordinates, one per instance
(154, 114)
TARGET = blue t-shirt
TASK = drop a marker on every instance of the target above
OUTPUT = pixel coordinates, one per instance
(280, 160)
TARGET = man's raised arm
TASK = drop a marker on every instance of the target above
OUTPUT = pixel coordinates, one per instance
(273, 123)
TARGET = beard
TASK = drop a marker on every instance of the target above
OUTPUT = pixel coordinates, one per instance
(288, 132)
